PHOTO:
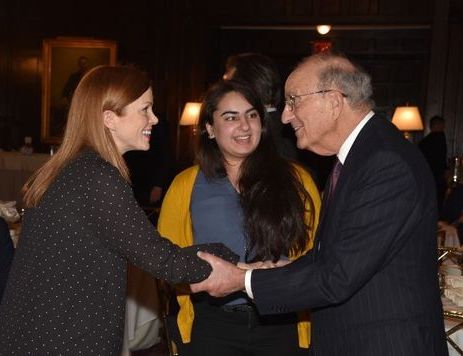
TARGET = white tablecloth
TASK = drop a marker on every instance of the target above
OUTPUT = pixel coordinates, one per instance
(15, 170)
(451, 235)
(142, 317)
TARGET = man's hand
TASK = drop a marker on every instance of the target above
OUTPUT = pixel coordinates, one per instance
(224, 279)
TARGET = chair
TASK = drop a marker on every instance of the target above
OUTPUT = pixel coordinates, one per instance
(169, 308)
(453, 256)
(458, 317)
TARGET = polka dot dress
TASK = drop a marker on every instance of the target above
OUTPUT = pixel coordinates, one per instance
(66, 288)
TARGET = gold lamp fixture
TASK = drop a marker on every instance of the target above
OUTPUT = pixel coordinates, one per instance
(407, 119)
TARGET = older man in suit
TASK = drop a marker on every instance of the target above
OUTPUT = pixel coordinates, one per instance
(371, 278)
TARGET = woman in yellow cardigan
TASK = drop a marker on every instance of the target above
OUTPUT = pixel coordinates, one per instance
(259, 205)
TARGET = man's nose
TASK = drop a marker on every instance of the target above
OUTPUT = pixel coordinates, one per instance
(287, 114)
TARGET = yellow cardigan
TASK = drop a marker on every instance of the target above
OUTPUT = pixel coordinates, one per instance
(175, 224)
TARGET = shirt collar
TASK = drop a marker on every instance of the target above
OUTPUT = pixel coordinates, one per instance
(346, 146)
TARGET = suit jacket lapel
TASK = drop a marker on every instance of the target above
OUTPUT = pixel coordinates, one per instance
(353, 155)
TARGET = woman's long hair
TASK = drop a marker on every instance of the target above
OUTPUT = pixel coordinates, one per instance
(102, 88)
(272, 197)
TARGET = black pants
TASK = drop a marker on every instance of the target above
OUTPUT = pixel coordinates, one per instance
(241, 333)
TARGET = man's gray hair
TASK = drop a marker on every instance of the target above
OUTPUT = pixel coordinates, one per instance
(340, 73)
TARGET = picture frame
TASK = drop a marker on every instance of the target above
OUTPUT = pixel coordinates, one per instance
(65, 60)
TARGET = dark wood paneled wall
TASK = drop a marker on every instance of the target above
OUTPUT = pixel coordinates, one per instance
(183, 45)
(397, 59)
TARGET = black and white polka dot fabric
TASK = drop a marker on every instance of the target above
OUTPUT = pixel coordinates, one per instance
(66, 289)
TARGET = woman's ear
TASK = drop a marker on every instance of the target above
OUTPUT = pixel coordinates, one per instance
(109, 119)
(210, 130)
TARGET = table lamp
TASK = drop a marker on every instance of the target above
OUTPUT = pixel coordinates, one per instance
(407, 118)
(189, 117)
(190, 114)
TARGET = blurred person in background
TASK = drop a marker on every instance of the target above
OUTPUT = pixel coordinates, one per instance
(434, 148)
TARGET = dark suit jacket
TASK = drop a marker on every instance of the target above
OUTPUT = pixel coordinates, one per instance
(371, 279)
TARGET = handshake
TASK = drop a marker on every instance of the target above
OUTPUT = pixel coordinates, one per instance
(227, 278)
(262, 264)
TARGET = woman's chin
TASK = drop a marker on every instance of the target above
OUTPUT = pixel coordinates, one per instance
(144, 147)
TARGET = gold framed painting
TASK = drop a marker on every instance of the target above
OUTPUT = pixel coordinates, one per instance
(65, 61)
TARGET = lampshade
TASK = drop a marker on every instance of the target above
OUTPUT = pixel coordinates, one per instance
(407, 118)
(190, 114)
(323, 29)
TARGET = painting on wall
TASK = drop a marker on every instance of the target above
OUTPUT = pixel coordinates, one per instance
(65, 61)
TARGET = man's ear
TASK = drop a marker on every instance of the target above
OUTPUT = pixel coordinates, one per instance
(337, 102)
(109, 119)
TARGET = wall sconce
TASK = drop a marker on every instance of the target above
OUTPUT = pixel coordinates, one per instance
(323, 29)
(407, 118)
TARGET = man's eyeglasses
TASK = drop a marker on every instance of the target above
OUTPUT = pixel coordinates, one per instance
(291, 100)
